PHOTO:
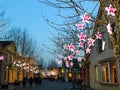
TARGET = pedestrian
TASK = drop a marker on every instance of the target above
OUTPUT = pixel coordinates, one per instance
(24, 82)
(30, 81)
(37, 81)
(40, 81)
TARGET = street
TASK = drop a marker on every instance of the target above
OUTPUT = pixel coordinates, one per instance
(48, 85)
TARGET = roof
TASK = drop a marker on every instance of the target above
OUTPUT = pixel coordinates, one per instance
(3, 44)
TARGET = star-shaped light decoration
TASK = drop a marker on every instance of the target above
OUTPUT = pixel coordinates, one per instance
(79, 26)
(2, 57)
(110, 10)
(80, 44)
(66, 63)
(56, 60)
(77, 52)
(85, 18)
(71, 47)
(82, 36)
(65, 46)
(88, 50)
(65, 58)
(70, 57)
(98, 35)
(71, 64)
(79, 59)
(109, 28)
(91, 42)
(59, 62)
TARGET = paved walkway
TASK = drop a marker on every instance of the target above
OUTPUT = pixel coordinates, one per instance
(47, 85)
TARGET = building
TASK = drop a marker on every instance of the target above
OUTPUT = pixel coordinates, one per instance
(103, 73)
(70, 73)
(9, 53)
(12, 66)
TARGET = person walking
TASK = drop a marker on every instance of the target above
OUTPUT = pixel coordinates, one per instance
(30, 81)
(40, 81)
(24, 82)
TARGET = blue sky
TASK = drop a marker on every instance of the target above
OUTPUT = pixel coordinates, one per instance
(27, 14)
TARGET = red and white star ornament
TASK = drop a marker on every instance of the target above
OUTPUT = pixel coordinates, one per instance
(70, 57)
(59, 62)
(65, 58)
(88, 50)
(98, 35)
(65, 46)
(79, 26)
(85, 18)
(79, 59)
(110, 10)
(82, 37)
(66, 63)
(2, 57)
(77, 52)
(109, 28)
(80, 44)
(71, 64)
(71, 47)
(91, 42)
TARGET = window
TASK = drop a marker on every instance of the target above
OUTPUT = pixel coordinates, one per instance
(101, 45)
(96, 73)
(109, 72)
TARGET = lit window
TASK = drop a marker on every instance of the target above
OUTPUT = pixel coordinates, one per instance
(96, 73)
(109, 72)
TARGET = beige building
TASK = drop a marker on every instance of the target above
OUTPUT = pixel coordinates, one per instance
(12, 66)
(102, 69)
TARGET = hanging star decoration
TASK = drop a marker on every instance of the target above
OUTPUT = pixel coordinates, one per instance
(80, 44)
(65, 58)
(65, 46)
(82, 37)
(70, 57)
(98, 35)
(79, 26)
(79, 59)
(85, 18)
(66, 63)
(110, 10)
(2, 57)
(109, 28)
(91, 42)
(71, 47)
(77, 52)
(88, 50)
(71, 64)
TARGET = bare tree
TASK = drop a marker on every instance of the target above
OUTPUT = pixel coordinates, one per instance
(99, 18)
(4, 22)
(25, 44)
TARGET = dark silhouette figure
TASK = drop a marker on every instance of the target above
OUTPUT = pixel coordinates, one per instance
(36, 81)
(24, 82)
(4, 86)
(30, 81)
(40, 81)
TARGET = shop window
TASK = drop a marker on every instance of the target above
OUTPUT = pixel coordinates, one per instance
(109, 72)
(96, 73)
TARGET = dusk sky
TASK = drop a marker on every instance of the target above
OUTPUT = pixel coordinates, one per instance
(28, 14)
